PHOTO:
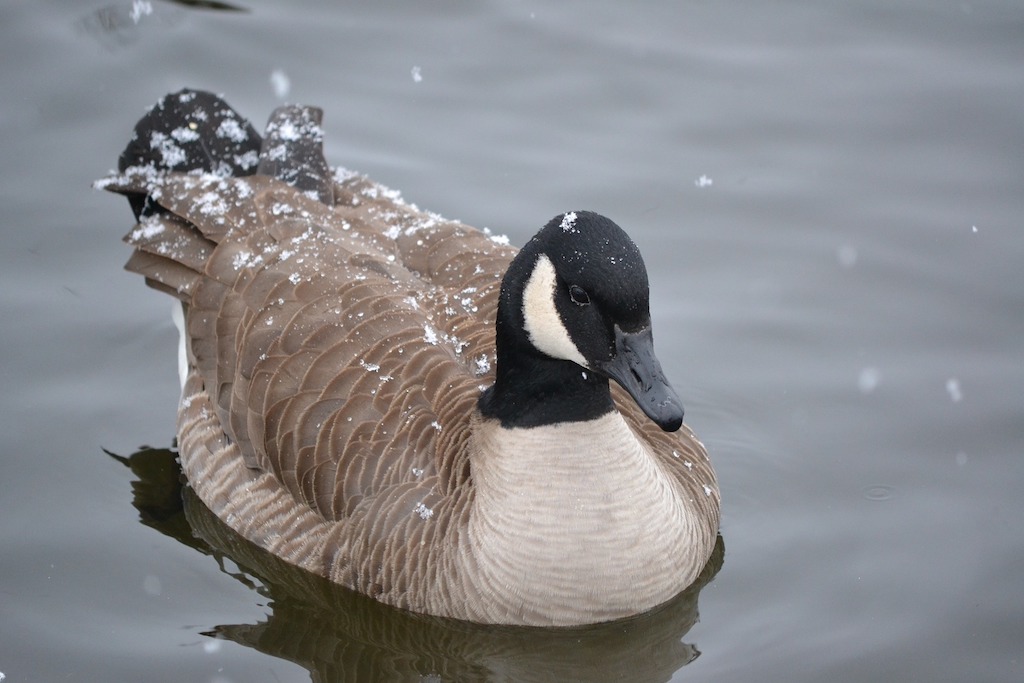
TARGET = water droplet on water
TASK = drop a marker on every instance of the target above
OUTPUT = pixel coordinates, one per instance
(847, 255)
(878, 492)
(151, 585)
(140, 8)
(953, 389)
(868, 380)
(280, 82)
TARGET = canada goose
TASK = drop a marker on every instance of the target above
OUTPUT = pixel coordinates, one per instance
(367, 397)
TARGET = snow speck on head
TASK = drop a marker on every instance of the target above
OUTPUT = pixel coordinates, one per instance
(569, 222)
(417, 74)
(953, 389)
(280, 82)
(703, 181)
(868, 380)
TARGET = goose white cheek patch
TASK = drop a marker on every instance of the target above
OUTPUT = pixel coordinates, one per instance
(540, 317)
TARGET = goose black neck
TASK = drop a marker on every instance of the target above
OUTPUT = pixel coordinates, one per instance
(532, 389)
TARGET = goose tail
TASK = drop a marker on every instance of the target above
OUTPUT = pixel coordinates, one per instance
(197, 133)
(190, 131)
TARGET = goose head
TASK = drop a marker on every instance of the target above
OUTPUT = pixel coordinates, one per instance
(574, 313)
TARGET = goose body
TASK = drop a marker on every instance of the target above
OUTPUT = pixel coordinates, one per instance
(403, 404)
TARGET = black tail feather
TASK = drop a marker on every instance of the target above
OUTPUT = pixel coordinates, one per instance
(190, 130)
(293, 151)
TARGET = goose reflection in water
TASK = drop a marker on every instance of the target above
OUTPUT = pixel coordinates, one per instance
(339, 635)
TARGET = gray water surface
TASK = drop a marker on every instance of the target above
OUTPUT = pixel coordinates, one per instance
(830, 199)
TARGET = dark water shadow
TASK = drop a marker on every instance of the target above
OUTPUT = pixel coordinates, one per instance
(210, 4)
(339, 635)
(124, 23)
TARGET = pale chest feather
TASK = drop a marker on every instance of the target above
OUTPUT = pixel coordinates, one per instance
(576, 520)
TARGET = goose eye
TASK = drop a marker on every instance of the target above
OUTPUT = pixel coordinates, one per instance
(579, 295)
